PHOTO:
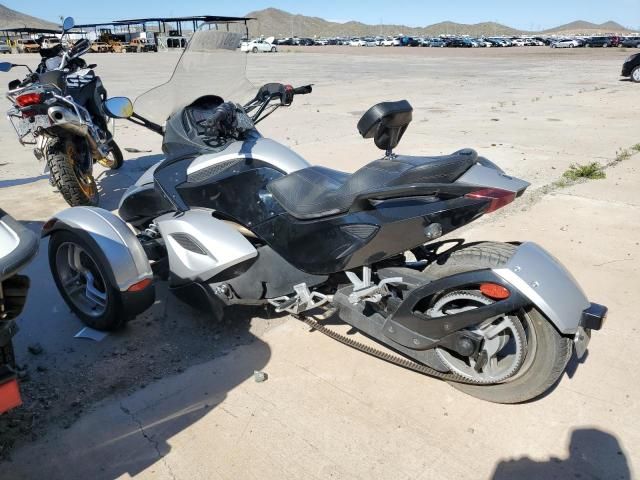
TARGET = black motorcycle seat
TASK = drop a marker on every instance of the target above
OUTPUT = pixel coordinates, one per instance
(316, 192)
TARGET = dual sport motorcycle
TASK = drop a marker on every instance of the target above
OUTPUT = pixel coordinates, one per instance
(58, 109)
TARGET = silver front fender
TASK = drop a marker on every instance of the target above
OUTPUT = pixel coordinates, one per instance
(115, 240)
(548, 285)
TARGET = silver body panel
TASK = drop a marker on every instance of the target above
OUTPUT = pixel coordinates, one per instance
(262, 149)
(119, 244)
(223, 246)
(258, 148)
(9, 240)
(548, 284)
(490, 177)
(145, 182)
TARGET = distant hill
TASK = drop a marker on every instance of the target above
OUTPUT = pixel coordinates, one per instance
(12, 19)
(588, 28)
(272, 21)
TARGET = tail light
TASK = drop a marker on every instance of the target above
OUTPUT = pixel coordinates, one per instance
(29, 99)
(497, 198)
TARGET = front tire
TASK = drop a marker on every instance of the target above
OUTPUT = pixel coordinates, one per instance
(635, 74)
(64, 156)
(115, 159)
(547, 353)
(255, 50)
(82, 277)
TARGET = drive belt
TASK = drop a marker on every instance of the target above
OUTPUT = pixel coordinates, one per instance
(387, 357)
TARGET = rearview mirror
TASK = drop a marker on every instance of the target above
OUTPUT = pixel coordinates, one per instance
(5, 66)
(68, 24)
(118, 107)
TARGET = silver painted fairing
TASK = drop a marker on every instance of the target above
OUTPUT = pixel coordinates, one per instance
(215, 246)
(548, 285)
(257, 148)
(145, 182)
(120, 246)
(488, 176)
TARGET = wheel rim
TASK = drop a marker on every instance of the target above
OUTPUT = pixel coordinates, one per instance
(504, 341)
(81, 279)
(85, 180)
(109, 161)
(636, 75)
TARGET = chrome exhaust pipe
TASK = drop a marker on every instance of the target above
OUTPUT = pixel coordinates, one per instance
(68, 120)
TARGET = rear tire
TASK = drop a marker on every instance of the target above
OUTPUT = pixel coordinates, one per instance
(548, 352)
(635, 74)
(112, 315)
(255, 50)
(63, 154)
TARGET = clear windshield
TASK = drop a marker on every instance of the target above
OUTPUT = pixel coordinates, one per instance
(212, 64)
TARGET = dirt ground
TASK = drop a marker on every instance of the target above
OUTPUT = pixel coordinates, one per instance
(172, 395)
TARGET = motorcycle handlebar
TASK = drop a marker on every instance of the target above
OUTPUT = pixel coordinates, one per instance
(303, 90)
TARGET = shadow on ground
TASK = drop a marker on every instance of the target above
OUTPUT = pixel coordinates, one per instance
(593, 454)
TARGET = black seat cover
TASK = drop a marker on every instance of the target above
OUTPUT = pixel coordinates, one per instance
(318, 191)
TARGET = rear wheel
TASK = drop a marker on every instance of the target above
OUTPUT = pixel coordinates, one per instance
(66, 157)
(255, 50)
(525, 356)
(635, 74)
(274, 49)
(82, 277)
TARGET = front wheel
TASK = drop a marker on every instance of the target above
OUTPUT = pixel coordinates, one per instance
(255, 50)
(525, 354)
(274, 49)
(70, 162)
(82, 277)
(635, 74)
(114, 159)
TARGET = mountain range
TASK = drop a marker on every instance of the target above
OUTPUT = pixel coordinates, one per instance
(12, 19)
(272, 21)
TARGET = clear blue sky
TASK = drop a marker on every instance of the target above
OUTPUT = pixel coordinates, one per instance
(524, 14)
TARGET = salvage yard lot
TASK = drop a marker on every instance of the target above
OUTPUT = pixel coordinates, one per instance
(172, 396)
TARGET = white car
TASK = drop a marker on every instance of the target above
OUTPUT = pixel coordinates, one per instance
(4, 48)
(518, 42)
(259, 45)
(357, 42)
(387, 42)
(50, 42)
(565, 44)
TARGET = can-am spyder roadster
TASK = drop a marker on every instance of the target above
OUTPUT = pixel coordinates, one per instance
(240, 219)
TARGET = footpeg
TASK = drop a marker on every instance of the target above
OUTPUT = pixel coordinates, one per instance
(303, 300)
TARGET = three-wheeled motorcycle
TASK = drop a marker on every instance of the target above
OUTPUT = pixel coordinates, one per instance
(232, 218)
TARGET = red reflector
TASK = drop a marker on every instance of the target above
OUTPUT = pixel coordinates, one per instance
(141, 285)
(498, 198)
(9, 395)
(28, 99)
(494, 291)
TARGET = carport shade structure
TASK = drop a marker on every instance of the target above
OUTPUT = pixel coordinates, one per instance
(178, 21)
(27, 31)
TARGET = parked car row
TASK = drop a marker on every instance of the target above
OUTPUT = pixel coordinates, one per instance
(604, 41)
(28, 45)
(466, 41)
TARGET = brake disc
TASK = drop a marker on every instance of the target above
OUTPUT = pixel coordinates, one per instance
(504, 342)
